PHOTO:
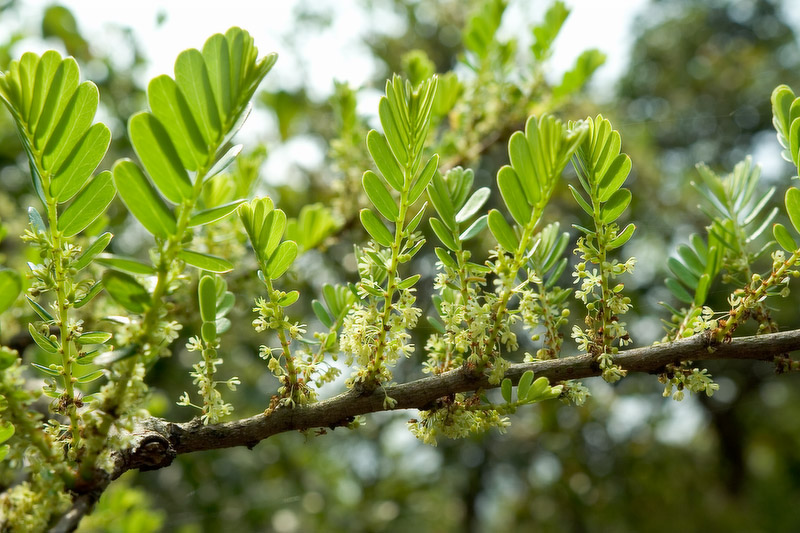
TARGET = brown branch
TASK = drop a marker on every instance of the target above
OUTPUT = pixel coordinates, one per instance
(159, 441)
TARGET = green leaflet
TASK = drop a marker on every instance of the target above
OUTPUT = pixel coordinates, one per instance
(792, 201)
(90, 203)
(207, 298)
(213, 214)
(424, 179)
(475, 228)
(615, 206)
(59, 95)
(513, 195)
(142, 199)
(473, 205)
(125, 264)
(159, 157)
(384, 160)
(443, 233)
(375, 228)
(281, 260)
(172, 111)
(519, 154)
(191, 75)
(622, 237)
(784, 238)
(502, 231)
(10, 287)
(81, 163)
(94, 337)
(205, 261)
(439, 196)
(126, 291)
(71, 126)
(379, 196)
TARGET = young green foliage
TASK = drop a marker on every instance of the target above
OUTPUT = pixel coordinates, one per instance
(405, 115)
(602, 170)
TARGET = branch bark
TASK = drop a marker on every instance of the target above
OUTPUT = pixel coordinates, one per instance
(159, 441)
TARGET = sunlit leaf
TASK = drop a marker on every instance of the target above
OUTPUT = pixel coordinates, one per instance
(213, 214)
(205, 261)
(379, 196)
(282, 259)
(126, 291)
(375, 228)
(90, 203)
(502, 231)
(159, 157)
(142, 199)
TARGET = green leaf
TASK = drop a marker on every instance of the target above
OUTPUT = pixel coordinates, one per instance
(443, 233)
(502, 231)
(213, 214)
(143, 200)
(46, 370)
(375, 228)
(322, 314)
(126, 264)
(408, 282)
(192, 78)
(218, 62)
(414, 222)
(701, 292)
(38, 309)
(93, 291)
(614, 176)
(439, 196)
(115, 356)
(72, 125)
(505, 389)
(438, 326)
(445, 258)
(37, 224)
(126, 291)
(205, 261)
(384, 160)
(10, 287)
(59, 96)
(90, 203)
(6, 431)
(81, 163)
(581, 201)
(424, 179)
(91, 252)
(172, 111)
(682, 273)
(622, 237)
(93, 337)
(207, 298)
(793, 207)
(519, 153)
(224, 161)
(781, 235)
(473, 205)
(524, 385)
(614, 207)
(474, 229)
(514, 197)
(289, 298)
(159, 157)
(281, 260)
(208, 331)
(379, 196)
(538, 389)
(91, 376)
(678, 291)
(44, 343)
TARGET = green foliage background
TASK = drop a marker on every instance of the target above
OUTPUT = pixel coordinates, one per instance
(697, 88)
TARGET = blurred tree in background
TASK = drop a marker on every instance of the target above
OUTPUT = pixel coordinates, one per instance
(697, 89)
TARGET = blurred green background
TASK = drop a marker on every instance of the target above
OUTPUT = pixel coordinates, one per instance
(696, 88)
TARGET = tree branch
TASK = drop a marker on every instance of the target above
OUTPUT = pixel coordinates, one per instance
(159, 441)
